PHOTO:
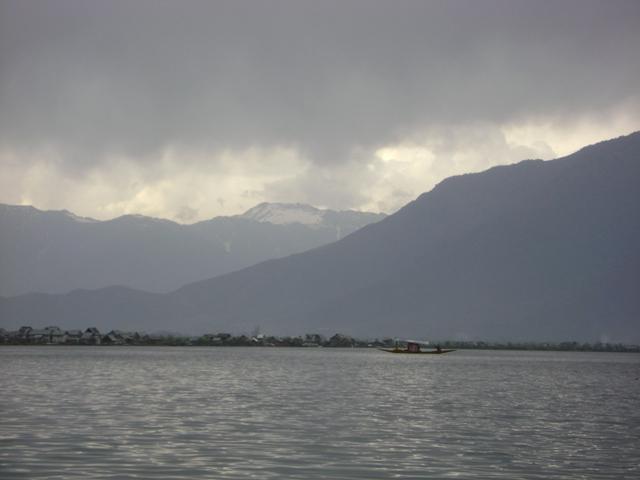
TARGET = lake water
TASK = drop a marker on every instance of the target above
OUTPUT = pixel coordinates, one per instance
(109, 412)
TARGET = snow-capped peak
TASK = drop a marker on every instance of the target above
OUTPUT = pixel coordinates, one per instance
(285, 213)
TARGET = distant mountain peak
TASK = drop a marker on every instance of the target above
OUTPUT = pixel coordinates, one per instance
(31, 210)
(539, 251)
(142, 219)
(57, 251)
(17, 208)
(288, 213)
(77, 218)
(285, 213)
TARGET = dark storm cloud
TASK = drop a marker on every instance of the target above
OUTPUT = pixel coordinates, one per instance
(99, 78)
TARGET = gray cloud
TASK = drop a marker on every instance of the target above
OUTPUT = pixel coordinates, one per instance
(96, 80)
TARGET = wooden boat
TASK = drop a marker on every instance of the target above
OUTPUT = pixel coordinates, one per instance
(433, 352)
(414, 348)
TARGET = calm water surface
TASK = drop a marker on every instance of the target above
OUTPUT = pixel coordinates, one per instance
(265, 413)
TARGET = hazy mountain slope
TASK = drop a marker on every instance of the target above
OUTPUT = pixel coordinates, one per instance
(56, 252)
(537, 250)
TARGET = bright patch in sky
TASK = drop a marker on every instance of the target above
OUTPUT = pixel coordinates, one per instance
(188, 110)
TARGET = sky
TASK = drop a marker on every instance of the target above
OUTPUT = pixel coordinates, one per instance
(191, 109)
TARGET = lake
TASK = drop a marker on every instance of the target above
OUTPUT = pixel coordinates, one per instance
(239, 413)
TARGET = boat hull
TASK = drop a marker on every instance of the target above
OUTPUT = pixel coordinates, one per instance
(430, 352)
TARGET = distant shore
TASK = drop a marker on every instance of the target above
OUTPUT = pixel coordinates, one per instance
(54, 336)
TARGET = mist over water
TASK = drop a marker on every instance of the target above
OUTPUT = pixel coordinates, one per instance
(73, 412)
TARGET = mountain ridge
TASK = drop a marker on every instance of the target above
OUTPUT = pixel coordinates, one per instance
(58, 251)
(248, 214)
(535, 251)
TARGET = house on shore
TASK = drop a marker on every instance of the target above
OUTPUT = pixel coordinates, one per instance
(118, 337)
(23, 334)
(47, 335)
(55, 334)
(91, 336)
(73, 336)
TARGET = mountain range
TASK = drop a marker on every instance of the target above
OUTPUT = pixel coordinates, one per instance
(57, 251)
(539, 250)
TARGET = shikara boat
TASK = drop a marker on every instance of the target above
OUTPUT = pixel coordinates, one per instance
(414, 348)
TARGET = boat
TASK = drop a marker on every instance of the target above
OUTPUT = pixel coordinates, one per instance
(413, 348)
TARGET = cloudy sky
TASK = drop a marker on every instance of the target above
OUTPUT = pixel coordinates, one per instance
(191, 109)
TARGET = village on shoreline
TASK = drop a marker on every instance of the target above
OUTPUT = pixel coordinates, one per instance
(54, 335)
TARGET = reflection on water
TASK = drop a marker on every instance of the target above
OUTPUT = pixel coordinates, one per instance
(74, 412)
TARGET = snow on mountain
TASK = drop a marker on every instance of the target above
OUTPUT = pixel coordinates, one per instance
(288, 213)
(544, 251)
(58, 251)
(284, 213)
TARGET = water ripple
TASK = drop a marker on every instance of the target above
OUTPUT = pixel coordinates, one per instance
(171, 413)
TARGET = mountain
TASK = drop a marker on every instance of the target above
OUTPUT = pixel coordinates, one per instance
(342, 222)
(531, 251)
(285, 213)
(57, 251)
